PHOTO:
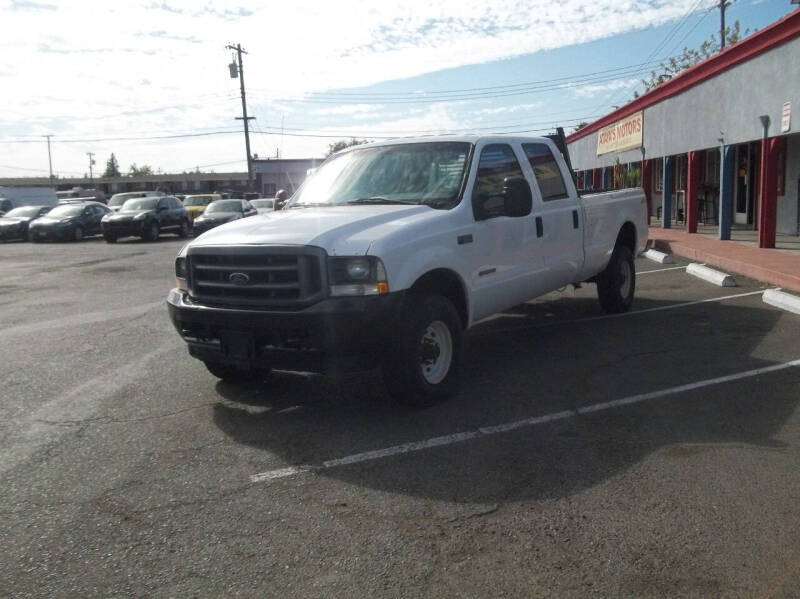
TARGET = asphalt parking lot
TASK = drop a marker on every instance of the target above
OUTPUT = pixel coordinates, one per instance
(653, 454)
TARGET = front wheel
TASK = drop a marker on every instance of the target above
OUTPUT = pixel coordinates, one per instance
(110, 237)
(422, 369)
(616, 284)
(152, 232)
(77, 234)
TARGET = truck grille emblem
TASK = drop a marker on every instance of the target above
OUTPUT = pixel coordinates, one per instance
(239, 278)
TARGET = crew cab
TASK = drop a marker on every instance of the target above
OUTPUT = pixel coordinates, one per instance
(392, 250)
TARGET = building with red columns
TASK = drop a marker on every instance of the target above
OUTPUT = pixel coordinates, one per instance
(718, 144)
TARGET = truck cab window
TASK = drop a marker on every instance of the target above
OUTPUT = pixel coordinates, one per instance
(497, 162)
(548, 175)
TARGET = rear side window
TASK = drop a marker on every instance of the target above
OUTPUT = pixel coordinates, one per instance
(497, 162)
(548, 175)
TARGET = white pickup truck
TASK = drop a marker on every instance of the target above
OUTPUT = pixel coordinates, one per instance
(391, 250)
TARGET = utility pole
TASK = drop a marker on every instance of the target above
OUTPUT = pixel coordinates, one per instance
(244, 118)
(49, 157)
(91, 163)
(723, 4)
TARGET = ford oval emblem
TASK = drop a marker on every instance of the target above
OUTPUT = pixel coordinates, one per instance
(239, 278)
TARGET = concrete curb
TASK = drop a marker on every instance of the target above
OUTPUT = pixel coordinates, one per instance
(781, 299)
(712, 276)
(659, 257)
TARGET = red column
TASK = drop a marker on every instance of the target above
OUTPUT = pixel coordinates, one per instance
(768, 202)
(692, 184)
(647, 170)
(596, 183)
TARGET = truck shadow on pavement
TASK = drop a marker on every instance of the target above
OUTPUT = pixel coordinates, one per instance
(518, 368)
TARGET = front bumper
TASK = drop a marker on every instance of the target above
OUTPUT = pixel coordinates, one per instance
(333, 335)
(123, 229)
(12, 232)
(52, 232)
(203, 226)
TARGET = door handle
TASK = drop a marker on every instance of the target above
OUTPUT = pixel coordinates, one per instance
(539, 227)
(574, 219)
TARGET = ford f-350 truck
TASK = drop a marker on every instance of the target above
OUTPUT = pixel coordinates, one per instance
(391, 250)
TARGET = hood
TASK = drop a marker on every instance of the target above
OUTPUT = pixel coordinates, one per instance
(342, 230)
(52, 220)
(195, 209)
(124, 216)
(218, 216)
(14, 220)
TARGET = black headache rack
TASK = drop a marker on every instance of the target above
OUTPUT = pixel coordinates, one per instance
(560, 140)
(257, 277)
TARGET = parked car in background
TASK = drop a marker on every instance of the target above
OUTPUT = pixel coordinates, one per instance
(147, 218)
(14, 197)
(263, 205)
(94, 195)
(222, 211)
(14, 224)
(69, 222)
(196, 204)
(118, 199)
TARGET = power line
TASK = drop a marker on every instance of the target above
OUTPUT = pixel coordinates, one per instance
(144, 138)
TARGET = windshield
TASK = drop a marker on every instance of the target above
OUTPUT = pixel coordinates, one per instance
(66, 210)
(419, 173)
(118, 199)
(24, 211)
(138, 205)
(197, 201)
(262, 203)
(224, 206)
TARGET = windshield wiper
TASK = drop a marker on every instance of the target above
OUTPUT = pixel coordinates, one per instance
(379, 200)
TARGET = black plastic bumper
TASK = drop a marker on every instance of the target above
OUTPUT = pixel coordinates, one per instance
(127, 229)
(335, 334)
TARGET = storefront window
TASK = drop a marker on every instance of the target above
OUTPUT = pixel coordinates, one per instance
(712, 168)
(658, 176)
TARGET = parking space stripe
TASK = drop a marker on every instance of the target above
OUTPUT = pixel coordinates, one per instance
(536, 325)
(645, 272)
(461, 437)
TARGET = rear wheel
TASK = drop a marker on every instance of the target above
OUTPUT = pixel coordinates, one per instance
(184, 230)
(616, 284)
(422, 369)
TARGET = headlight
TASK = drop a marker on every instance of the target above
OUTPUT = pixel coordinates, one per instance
(140, 216)
(181, 273)
(357, 275)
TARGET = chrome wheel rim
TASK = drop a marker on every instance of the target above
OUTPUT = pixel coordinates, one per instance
(436, 352)
(626, 278)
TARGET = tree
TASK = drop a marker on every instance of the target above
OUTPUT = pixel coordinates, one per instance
(689, 57)
(112, 167)
(580, 126)
(140, 171)
(344, 143)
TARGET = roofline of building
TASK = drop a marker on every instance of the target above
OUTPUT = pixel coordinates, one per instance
(773, 35)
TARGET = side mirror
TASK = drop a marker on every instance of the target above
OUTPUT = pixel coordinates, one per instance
(517, 198)
(163, 208)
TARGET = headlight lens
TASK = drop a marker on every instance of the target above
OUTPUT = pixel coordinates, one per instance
(140, 216)
(357, 275)
(181, 273)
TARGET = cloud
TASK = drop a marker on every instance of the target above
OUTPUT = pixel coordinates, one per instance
(31, 6)
(588, 91)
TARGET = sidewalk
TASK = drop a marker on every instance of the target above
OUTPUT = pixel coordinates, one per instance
(768, 266)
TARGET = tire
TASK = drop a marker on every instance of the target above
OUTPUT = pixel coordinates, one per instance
(617, 283)
(183, 232)
(422, 368)
(152, 232)
(110, 237)
(232, 374)
(77, 234)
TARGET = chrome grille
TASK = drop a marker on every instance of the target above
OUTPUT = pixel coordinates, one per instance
(252, 276)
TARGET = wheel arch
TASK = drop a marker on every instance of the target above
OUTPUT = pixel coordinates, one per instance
(447, 283)
(627, 236)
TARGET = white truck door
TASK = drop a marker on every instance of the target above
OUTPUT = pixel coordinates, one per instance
(561, 215)
(507, 261)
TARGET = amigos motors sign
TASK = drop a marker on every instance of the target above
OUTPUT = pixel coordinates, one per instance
(622, 135)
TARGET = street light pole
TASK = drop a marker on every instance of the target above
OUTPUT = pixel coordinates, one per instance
(49, 157)
(244, 118)
(91, 163)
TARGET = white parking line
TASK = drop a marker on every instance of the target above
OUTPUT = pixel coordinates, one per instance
(537, 325)
(508, 426)
(644, 272)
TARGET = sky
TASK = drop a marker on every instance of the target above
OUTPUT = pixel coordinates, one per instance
(149, 80)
